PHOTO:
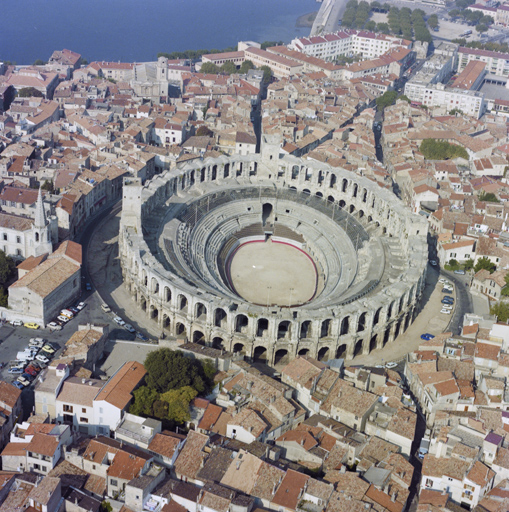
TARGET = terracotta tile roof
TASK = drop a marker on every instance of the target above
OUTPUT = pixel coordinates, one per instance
(300, 437)
(164, 445)
(288, 493)
(69, 249)
(438, 467)
(351, 484)
(267, 480)
(9, 394)
(126, 465)
(480, 474)
(189, 460)
(43, 444)
(44, 490)
(15, 449)
(383, 499)
(118, 390)
(210, 417)
(243, 472)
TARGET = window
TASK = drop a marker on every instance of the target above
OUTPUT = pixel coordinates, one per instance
(113, 482)
(67, 408)
(83, 410)
(101, 410)
(5, 236)
(83, 420)
(18, 239)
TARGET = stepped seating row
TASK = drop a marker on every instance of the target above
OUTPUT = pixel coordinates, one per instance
(285, 232)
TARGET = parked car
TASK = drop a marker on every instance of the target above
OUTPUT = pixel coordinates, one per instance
(67, 312)
(81, 305)
(447, 306)
(37, 342)
(427, 336)
(119, 321)
(18, 385)
(447, 301)
(42, 358)
(448, 297)
(16, 323)
(106, 308)
(141, 336)
(31, 325)
(54, 326)
(443, 311)
(447, 290)
(31, 370)
(88, 287)
(15, 369)
(74, 309)
(433, 263)
(129, 327)
(63, 319)
(48, 348)
(391, 365)
(25, 379)
(460, 271)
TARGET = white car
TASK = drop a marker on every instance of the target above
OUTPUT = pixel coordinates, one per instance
(54, 326)
(16, 322)
(81, 305)
(42, 359)
(445, 311)
(106, 308)
(391, 365)
(129, 327)
(63, 318)
(447, 306)
(118, 321)
(36, 342)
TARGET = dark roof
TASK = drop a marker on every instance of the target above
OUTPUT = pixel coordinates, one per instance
(83, 500)
(216, 465)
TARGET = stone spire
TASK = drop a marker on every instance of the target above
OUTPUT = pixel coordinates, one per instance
(40, 214)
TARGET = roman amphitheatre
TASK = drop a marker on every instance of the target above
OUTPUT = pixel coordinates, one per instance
(272, 257)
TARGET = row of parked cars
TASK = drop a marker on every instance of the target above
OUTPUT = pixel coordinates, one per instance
(56, 325)
(119, 321)
(30, 361)
(447, 300)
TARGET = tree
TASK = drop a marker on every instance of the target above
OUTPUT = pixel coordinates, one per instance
(169, 369)
(209, 68)
(178, 401)
(267, 74)
(246, 66)
(455, 111)
(501, 310)
(144, 398)
(204, 131)
(370, 25)
(7, 268)
(388, 98)
(488, 197)
(433, 149)
(383, 28)
(404, 97)
(469, 264)
(106, 507)
(39, 62)
(433, 21)
(481, 28)
(484, 263)
(4, 302)
(453, 262)
(48, 185)
(229, 68)
(28, 92)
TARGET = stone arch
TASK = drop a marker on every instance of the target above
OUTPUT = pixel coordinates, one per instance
(351, 209)
(387, 335)
(361, 214)
(358, 348)
(239, 347)
(333, 180)
(295, 172)
(325, 328)
(226, 170)
(341, 351)
(408, 316)
(376, 318)
(281, 356)
(214, 173)
(220, 317)
(202, 174)
(154, 285)
(180, 329)
(262, 327)
(167, 294)
(284, 330)
(303, 352)
(398, 328)
(372, 343)
(199, 337)
(345, 326)
(344, 185)
(154, 312)
(144, 277)
(355, 189)
(260, 354)
(166, 322)
(364, 195)
(323, 354)
(330, 199)
(200, 311)
(306, 191)
(182, 303)
(143, 303)
(218, 343)
(306, 329)
(241, 323)
(361, 324)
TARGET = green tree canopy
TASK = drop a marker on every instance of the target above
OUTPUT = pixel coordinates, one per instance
(178, 401)
(7, 268)
(484, 263)
(229, 68)
(267, 74)
(388, 98)
(246, 66)
(28, 92)
(169, 369)
(433, 149)
(501, 310)
(433, 21)
(481, 27)
(209, 68)
(144, 398)
(488, 197)
(39, 62)
(204, 131)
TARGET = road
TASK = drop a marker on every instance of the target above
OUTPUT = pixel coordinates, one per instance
(327, 19)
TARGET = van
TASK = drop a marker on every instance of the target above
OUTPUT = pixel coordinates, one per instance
(26, 355)
(67, 312)
(423, 448)
(105, 308)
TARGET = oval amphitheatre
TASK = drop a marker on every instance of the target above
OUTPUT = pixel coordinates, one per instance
(272, 257)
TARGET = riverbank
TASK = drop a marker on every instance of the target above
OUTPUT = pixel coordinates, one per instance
(306, 20)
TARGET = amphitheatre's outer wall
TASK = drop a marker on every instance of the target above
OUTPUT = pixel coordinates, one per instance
(274, 333)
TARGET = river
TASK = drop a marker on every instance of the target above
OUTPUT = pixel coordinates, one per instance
(136, 30)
